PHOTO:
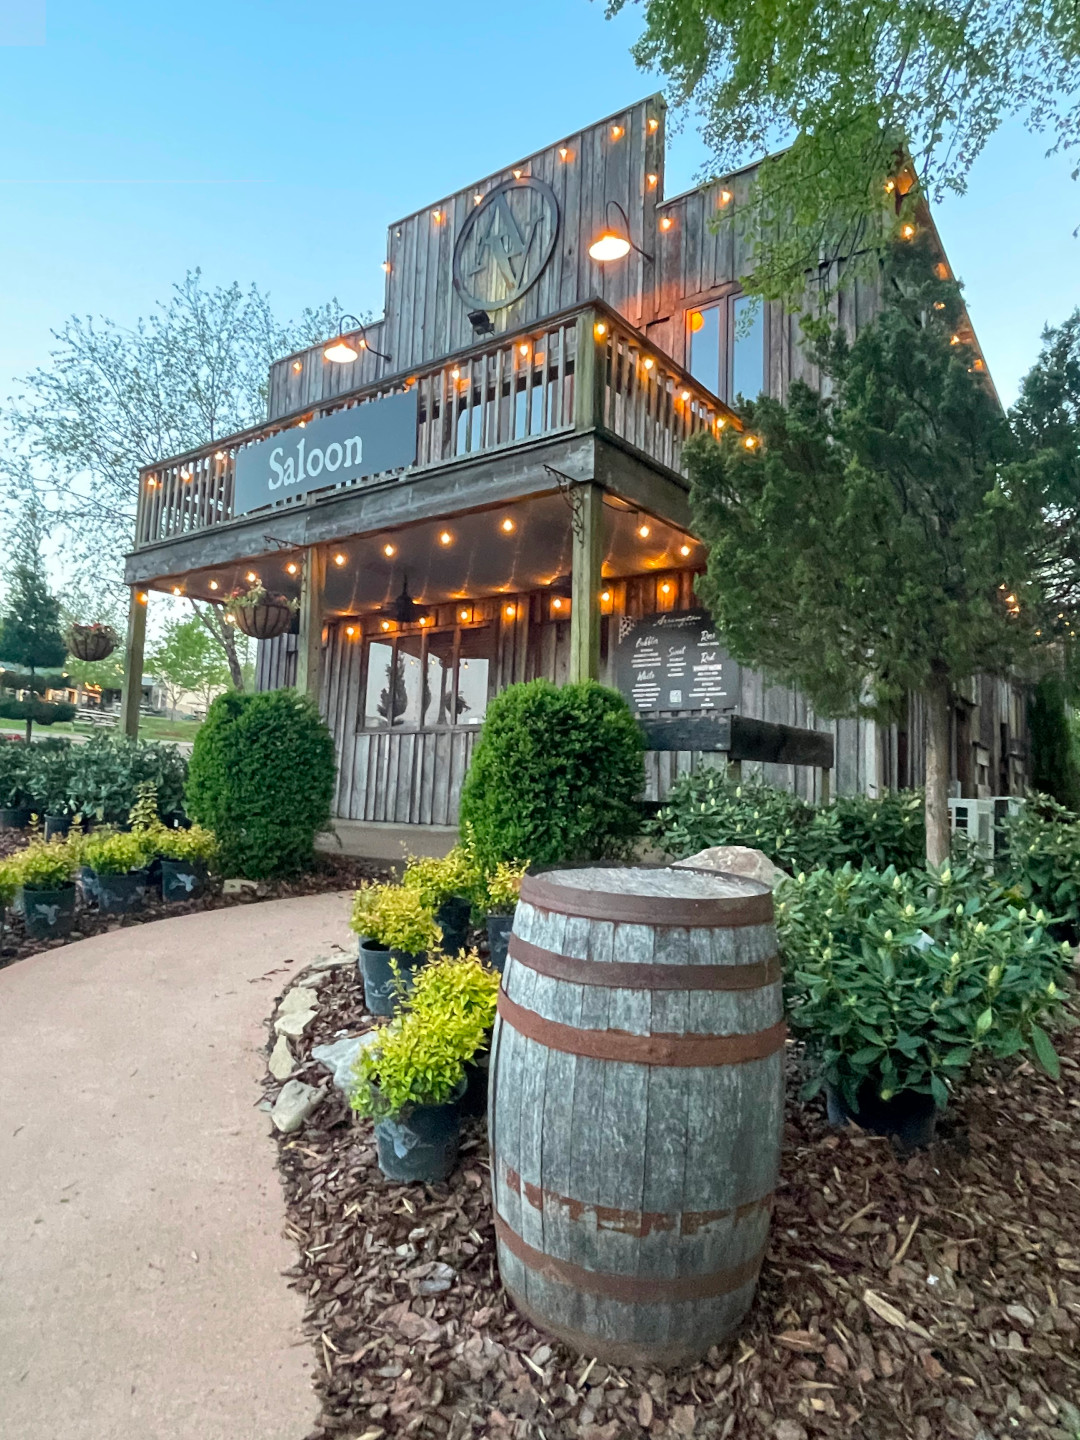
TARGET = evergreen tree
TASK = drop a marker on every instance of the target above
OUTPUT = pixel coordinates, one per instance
(880, 540)
(30, 627)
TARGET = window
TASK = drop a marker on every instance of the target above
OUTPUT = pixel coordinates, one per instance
(430, 678)
(727, 346)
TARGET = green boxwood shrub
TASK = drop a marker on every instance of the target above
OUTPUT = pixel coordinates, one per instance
(706, 808)
(41, 712)
(262, 778)
(557, 776)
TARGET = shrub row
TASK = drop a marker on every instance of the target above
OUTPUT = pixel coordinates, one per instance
(99, 779)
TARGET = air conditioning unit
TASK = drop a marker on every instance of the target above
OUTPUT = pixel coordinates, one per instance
(974, 818)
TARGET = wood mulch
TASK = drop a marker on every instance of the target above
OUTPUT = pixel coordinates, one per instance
(922, 1297)
(330, 873)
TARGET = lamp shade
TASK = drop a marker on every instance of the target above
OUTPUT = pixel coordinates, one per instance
(610, 246)
(341, 351)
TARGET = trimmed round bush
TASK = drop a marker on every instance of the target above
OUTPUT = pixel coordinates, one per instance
(262, 778)
(557, 776)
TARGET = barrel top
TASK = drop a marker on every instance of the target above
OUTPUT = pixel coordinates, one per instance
(650, 895)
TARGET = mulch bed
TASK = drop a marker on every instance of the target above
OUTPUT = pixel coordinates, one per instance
(924, 1297)
(331, 873)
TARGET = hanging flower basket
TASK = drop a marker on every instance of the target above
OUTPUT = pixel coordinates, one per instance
(263, 622)
(261, 614)
(91, 642)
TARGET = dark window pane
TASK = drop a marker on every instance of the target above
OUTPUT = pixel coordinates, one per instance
(748, 348)
(704, 327)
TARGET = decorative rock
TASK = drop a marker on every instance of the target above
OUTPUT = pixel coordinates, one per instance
(281, 1061)
(736, 860)
(237, 886)
(293, 1022)
(293, 1106)
(299, 998)
(340, 1057)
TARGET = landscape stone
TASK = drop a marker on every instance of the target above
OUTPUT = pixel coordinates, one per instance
(293, 1022)
(293, 1106)
(281, 1061)
(340, 1057)
(299, 998)
(237, 886)
(736, 860)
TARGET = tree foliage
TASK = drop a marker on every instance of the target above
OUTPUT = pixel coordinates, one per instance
(848, 89)
(187, 659)
(30, 625)
(880, 540)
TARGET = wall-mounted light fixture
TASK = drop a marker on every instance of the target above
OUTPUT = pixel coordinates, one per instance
(481, 322)
(611, 244)
(351, 339)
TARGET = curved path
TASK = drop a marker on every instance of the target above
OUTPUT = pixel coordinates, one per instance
(141, 1215)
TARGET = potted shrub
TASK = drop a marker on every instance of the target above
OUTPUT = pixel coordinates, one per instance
(900, 983)
(50, 769)
(397, 931)
(186, 859)
(15, 809)
(45, 873)
(461, 984)
(447, 885)
(411, 1080)
(260, 613)
(117, 863)
(91, 642)
(503, 889)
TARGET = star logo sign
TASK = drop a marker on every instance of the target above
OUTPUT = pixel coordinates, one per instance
(505, 243)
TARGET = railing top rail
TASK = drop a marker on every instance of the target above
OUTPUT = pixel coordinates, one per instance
(402, 377)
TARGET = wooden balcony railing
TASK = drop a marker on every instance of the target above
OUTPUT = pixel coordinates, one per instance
(580, 371)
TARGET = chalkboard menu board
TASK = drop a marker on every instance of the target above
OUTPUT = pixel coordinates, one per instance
(674, 661)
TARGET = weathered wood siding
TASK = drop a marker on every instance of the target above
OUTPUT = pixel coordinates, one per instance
(414, 776)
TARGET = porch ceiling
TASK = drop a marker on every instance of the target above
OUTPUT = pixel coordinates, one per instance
(480, 557)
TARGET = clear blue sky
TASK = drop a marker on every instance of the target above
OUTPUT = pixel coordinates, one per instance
(274, 141)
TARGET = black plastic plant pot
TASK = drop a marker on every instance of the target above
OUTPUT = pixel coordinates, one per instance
(87, 882)
(474, 1100)
(498, 930)
(117, 894)
(57, 825)
(15, 817)
(452, 918)
(48, 913)
(380, 983)
(182, 880)
(422, 1144)
(910, 1118)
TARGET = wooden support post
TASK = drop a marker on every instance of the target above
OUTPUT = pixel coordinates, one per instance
(590, 371)
(733, 771)
(586, 561)
(826, 786)
(309, 650)
(134, 645)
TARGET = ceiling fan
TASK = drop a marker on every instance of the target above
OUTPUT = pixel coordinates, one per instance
(404, 609)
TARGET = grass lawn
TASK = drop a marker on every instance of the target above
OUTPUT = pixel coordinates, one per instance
(151, 727)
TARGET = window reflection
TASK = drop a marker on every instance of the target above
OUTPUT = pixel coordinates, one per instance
(727, 347)
(704, 326)
(748, 347)
(433, 678)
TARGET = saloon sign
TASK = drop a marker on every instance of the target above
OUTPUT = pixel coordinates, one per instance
(505, 243)
(351, 444)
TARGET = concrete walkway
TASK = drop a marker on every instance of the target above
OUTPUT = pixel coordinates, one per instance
(141, 1215)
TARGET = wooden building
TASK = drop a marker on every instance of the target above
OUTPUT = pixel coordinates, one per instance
(506, 444)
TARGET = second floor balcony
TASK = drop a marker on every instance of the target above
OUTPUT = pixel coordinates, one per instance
(511, 415)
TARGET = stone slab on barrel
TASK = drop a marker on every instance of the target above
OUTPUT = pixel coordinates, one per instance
(636, 1106)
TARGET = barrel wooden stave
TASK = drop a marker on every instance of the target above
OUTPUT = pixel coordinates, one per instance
(633, 1170)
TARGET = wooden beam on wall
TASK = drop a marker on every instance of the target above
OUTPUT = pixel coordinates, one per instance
(309, 649)
(134, 648)
(586, 559)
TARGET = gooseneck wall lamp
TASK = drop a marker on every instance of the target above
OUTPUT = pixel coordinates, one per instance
(611, 244)
(351, 340)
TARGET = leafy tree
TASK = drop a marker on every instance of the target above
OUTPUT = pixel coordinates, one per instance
(113, 399)
(877, 541)
(1054, 770)
(849, 88)
(187, 659)
(30, 626)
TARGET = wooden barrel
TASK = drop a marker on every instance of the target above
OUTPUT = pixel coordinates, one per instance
(636, 1106)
